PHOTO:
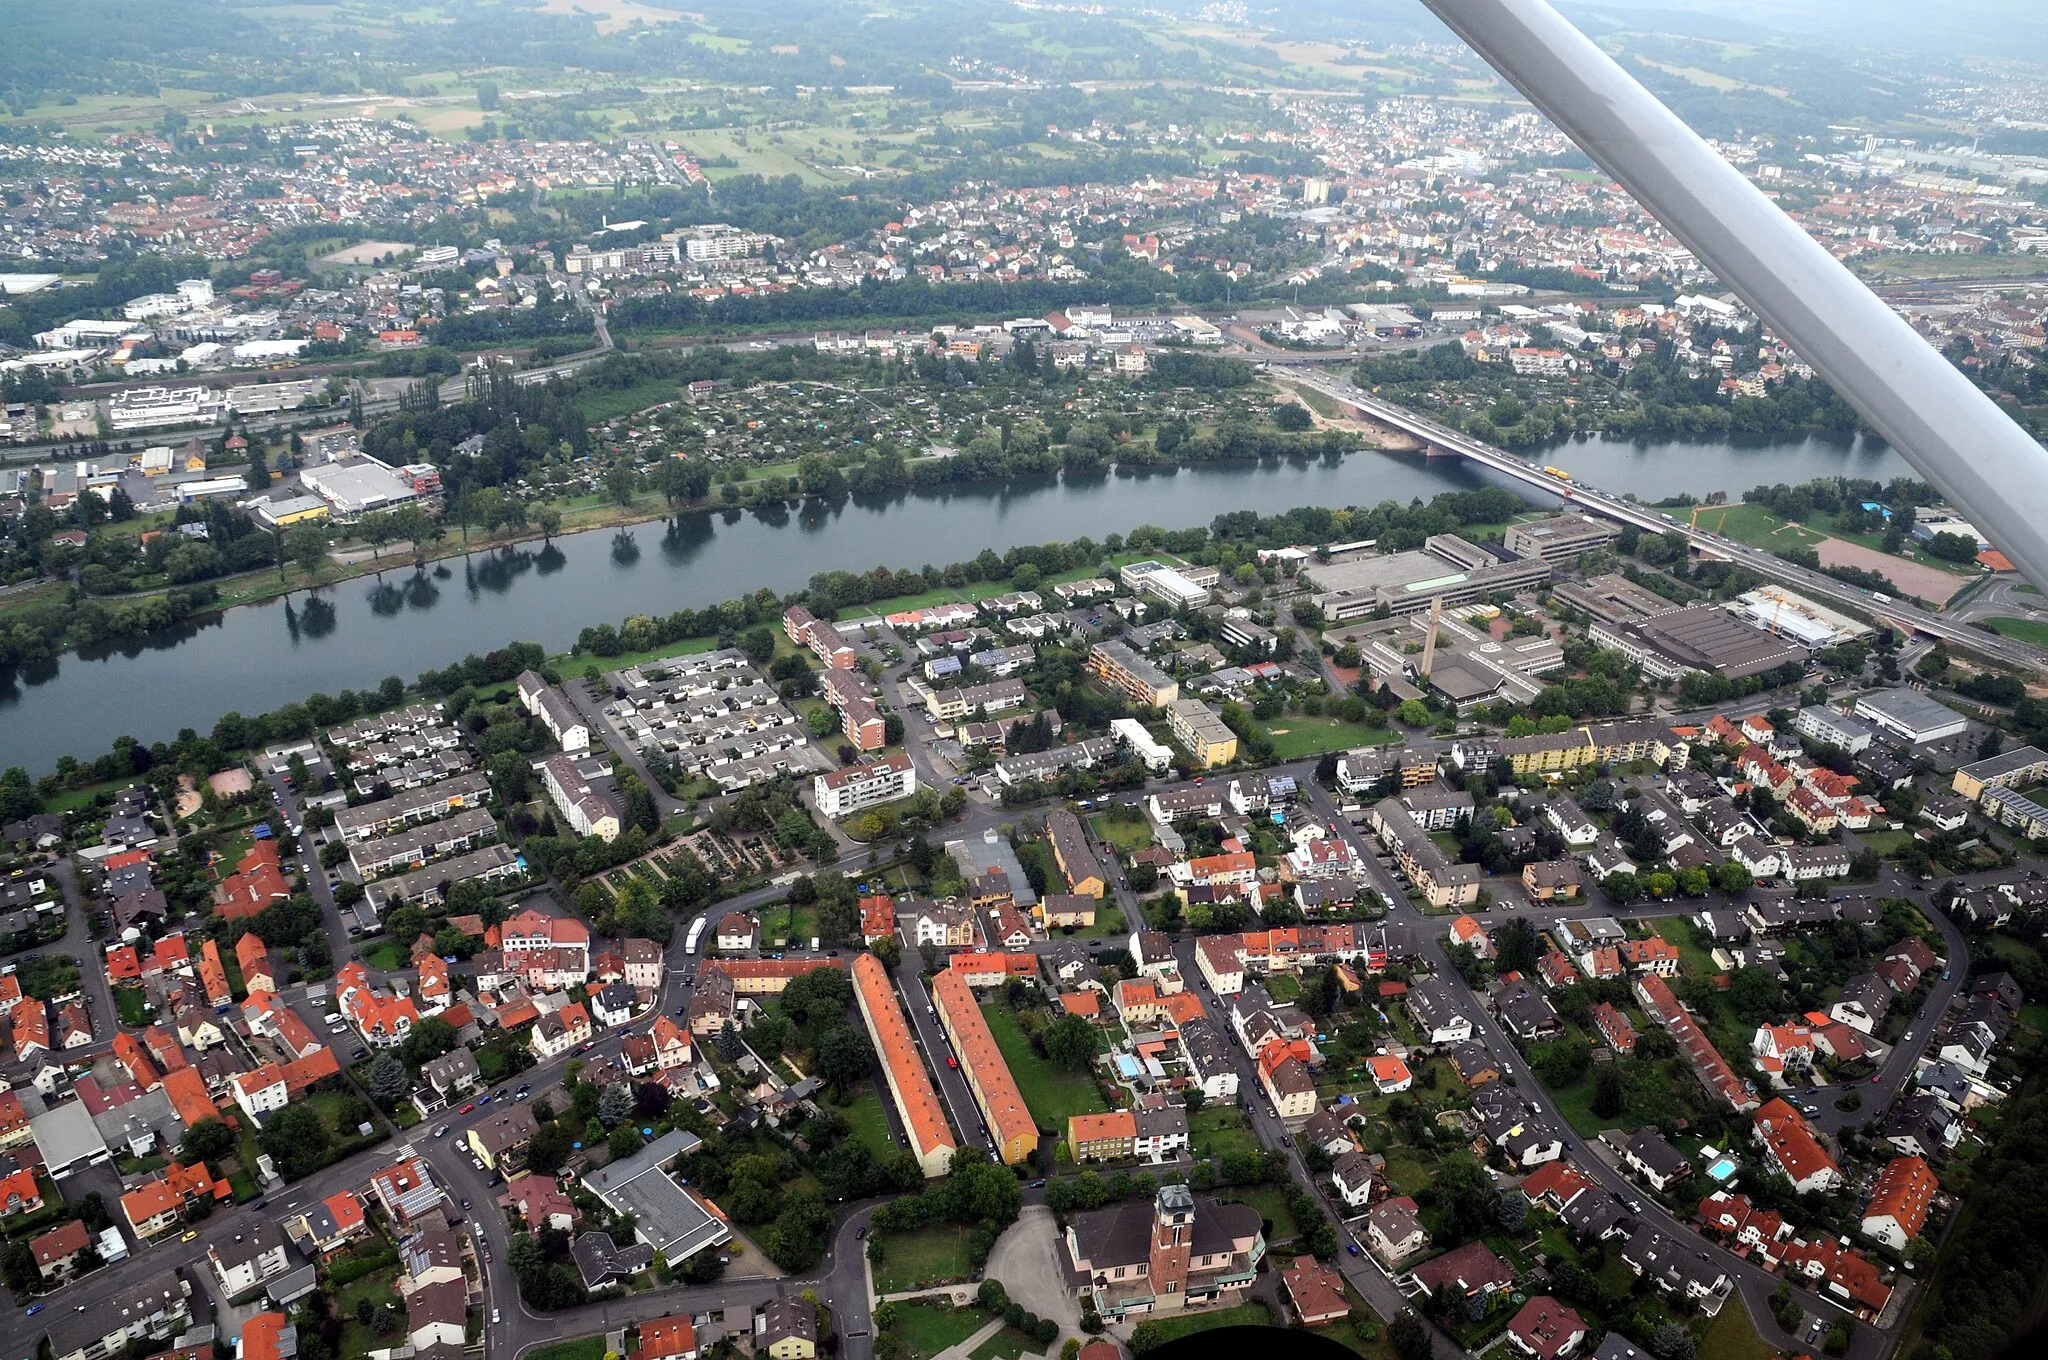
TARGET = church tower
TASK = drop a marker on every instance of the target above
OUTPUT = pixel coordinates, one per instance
(1173, 1236)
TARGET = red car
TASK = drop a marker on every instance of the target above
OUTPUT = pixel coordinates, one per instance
(952, 1061)
(467, 1109)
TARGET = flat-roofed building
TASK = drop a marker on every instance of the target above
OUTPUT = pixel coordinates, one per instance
(910, 1086)
(667, 1216)
(1447, 567)
(1563, 538)
(1698, 638)
(1844, 730)
(358, 487)
(870, 784)
(2008, 770)
(1116, 665)
(1178, 587)
(1910, 715)
(1612, 598)
(995, 1090)
(1202, 731)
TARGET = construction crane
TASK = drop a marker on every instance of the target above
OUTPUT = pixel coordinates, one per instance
(1692, 525)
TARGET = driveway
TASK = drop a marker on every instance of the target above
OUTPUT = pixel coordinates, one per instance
(1027, 1260)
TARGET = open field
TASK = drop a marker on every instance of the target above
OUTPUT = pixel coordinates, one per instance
(2025, 630)
(611, 15)
(1296, 735)
(928, 1328)
(1915, 578)
(2005, 265)
(363, 252)
(932, 1255)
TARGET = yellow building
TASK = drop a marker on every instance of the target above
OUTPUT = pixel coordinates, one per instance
(1201, 732)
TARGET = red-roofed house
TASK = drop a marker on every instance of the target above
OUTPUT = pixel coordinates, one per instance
(1845, 1275)
(1555, 1183)
(669, 1338)
(1790, 1144)
(1652, 954)
(213, 975)
(1315, 1290)
(1900, 1203)
(256, 882)
(20, 1193)
(1614, 1027)
(877, 918)
(541, 1202)
(259, 974)
(187, 1091)
(156, 1205)
(1782, 1051)
(1753, 1231)
(1546, 1329)
(31, 1030)
(136, 1059)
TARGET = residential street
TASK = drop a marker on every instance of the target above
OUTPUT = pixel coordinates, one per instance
(841, 1276)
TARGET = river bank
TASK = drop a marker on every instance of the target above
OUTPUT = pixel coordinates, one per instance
(386, 618)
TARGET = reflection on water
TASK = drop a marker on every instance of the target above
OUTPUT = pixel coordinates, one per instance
(316, 620)
(254, 658)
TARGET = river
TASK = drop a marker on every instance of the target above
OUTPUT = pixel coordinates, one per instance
(258, 656)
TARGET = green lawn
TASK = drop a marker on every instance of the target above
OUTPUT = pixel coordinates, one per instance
(134, 1007)
(1756, 526)
(1207, 1319)
(1732, 1336)
(1405, 1173)
(572, 667)
(588, 1348)
(1693, 958)
(356, 1339)
(607, 404)
(386, 957)
(870, 1121)
(1296, 735)
(2026, 630)
(1007, 1344)
(1220, 1129)
(932, 1255)
(926, 1328)
(1051, 1093)
(1885, 843)
(978, 591)
(1271, 1201)
(71, 800)
(1127, 836)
